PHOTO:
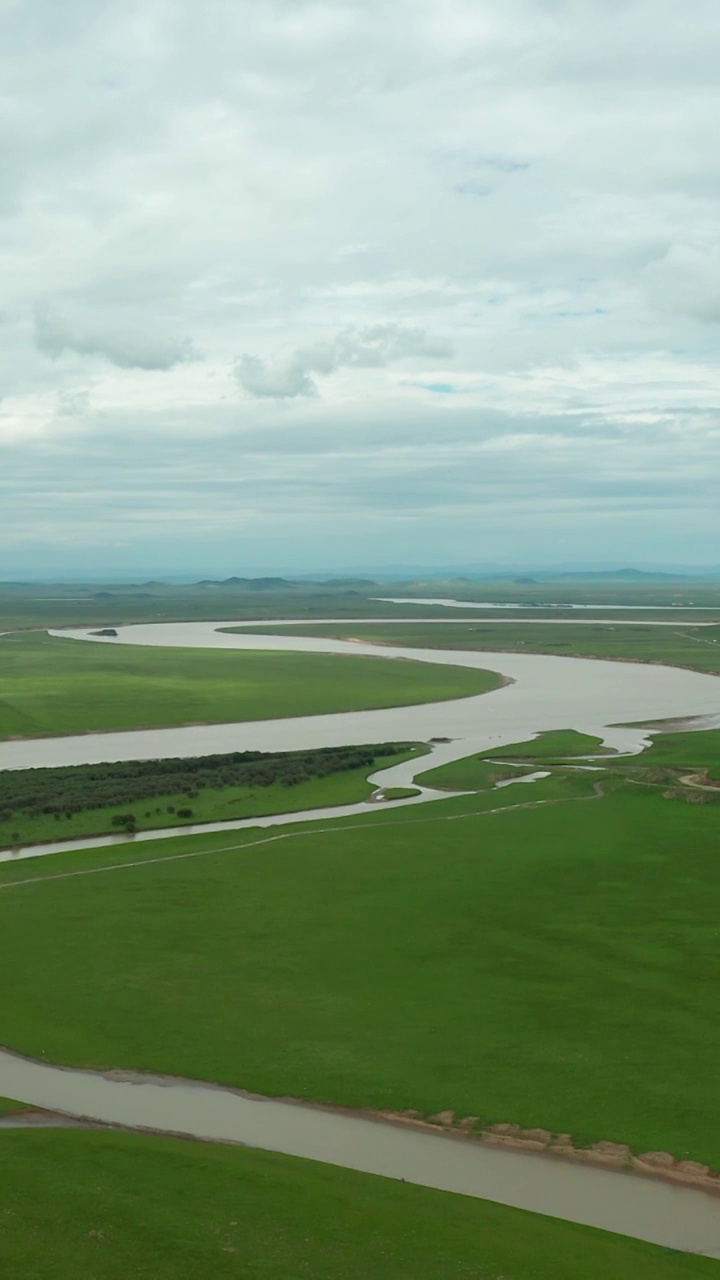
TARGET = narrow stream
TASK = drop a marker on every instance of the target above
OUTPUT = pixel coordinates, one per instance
(649, 1209)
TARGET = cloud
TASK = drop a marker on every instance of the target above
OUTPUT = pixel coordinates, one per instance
(294, 181)
(274, 379)
(123, 345)
(373, 347)
(687, 280)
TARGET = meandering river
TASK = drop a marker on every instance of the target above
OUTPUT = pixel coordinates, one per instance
(546, 693)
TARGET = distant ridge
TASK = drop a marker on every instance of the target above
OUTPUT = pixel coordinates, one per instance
(625, 575)
(250, 584)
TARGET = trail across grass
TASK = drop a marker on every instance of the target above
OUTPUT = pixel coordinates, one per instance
(554, 966)
(699, 751)
(118, 1205)
(52, 686)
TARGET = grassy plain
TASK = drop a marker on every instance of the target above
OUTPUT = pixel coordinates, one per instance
(208, 806)
(691, 751)
(56, 686)
(159, 1209)
(474, 773)
(24, 605)
(471, 773)
(683, 645)
(8, 1107)
(554, 965)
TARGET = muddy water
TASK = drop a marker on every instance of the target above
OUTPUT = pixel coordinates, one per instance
(546, 693)
(647, 1209)
(679, 610)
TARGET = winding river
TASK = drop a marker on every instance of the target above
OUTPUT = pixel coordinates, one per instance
(546, 693)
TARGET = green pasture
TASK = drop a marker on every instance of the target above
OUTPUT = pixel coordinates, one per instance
(175, 808)
(698, 752)
(553, 965)
(116, 1206)
(471, 773)
(54, 686)
(683, 645)
(8, 1107)
(555, 789)
(474, 773)
(36, 604)
(209, 806)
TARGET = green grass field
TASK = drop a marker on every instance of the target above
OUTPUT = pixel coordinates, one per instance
(82, 604)
(553, 966)
(473, 773)
(119, 1206)
(8, 1107)
(209, 805)
(691, 751)
(52, 686)
(684, 645)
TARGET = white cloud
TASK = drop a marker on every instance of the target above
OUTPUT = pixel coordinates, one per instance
(537, 181)
(127, 346)
(375, 347)
(687, 280)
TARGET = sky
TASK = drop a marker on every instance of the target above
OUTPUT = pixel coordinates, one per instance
(294, 286)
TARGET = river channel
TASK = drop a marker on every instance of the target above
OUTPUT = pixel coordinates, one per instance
(546, 693)
(543, 692)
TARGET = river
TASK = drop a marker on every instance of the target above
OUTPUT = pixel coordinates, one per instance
(546, 693)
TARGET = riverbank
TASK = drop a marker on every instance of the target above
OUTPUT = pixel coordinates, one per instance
(131, 1205)
(647, 1208)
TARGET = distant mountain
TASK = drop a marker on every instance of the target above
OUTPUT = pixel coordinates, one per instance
(623, 575)
(249, 584)
(348, 582)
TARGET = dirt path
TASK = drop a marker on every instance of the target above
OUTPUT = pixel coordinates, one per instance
(690, 780)
(292, 835)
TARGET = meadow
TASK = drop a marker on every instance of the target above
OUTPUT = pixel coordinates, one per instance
(683, 645)
(691, 751)
(161, 1209)
(52, 686)
(552, 965)
(31, 605)
(85, 800)
(474, 773)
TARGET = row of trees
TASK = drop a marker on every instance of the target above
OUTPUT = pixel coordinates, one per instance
(70, 790)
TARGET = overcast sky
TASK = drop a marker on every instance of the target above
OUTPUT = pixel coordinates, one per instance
(292, 285)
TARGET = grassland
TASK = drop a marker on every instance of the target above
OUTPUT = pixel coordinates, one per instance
(209, 806)
(51, 686)
(686, 751)
(159, 1209)
(27, 605)
(86, 800)
(8, 1107)
(683, 645)
(474, 773)
(554, 965)
(471, 773)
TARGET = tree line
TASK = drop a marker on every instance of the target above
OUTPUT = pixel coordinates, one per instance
(74, 788)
